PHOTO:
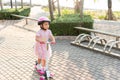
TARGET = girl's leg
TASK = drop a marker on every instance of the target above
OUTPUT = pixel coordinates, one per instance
(39, 60)
(38, 65)
(43, 62)
(43, 66)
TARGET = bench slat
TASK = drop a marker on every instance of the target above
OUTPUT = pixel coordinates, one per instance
(97, 31)
(24, 17)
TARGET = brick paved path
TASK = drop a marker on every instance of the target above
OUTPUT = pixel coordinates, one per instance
(68, 62)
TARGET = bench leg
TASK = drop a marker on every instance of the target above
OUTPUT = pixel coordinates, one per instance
(117, 39)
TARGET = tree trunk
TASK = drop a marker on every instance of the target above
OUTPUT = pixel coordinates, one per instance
(21, 3)
(11, 3)
(58, 5)
(51, 10)
(81, 8)
(77, 6)
(110, 15)
(15, 5)
(53, 4)
(1, 5)
(30, 3)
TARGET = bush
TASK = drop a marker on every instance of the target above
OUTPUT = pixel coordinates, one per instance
(6, 13)
(65, 24)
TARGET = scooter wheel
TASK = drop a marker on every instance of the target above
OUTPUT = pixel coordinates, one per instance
(42, 78)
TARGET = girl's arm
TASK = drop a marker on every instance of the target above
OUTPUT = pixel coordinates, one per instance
(38, 39)
(52, 38)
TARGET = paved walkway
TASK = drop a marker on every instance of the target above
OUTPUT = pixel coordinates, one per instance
(5, 23)
(67, 63)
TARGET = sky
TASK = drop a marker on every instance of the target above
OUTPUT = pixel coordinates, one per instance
(88, 4)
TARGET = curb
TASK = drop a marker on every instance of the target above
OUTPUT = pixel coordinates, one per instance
(65, 37)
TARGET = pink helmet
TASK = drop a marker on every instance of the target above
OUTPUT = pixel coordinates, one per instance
(43, 19)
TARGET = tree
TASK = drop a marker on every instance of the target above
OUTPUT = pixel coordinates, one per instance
(110, 15)
(51, 10)
(58, 5)
(53, 4)
(1, 5)
(21, 3)
(79, 7)
(11, 3)
(15, 5)
(30, 3)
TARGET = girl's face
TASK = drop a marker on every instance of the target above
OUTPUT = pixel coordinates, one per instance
(45, 25)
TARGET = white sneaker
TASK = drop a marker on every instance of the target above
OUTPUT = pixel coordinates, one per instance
(48, 73)
(38, 67)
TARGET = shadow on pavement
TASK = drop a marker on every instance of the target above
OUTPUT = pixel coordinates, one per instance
(74, 63)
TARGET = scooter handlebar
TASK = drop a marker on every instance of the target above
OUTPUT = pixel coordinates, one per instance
(48, 42)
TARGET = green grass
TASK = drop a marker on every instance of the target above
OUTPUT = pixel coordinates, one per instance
(95, 14)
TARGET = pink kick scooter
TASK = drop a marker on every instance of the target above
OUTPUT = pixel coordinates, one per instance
(46, 75)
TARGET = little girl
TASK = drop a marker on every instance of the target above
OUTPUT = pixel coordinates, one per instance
(41, 48)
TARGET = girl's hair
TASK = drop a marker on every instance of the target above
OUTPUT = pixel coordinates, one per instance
(41, 20)
(41, 25)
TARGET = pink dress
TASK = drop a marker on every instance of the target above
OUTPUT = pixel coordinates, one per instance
(42, 51)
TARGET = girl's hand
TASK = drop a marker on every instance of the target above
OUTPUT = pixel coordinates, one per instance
(53, 42)
(42, 42)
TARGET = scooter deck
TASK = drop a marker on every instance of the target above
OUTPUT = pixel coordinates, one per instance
(43, 76)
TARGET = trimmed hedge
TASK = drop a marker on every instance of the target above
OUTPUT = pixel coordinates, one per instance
(64, 25)
(6, 13)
